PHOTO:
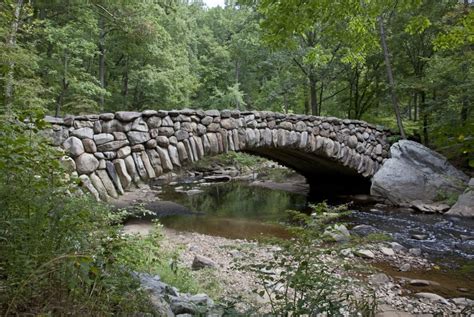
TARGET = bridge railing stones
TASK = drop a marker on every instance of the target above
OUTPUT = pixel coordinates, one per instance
(116, 152)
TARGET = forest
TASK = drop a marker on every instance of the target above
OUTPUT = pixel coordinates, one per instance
(292, 56)
(406, 65)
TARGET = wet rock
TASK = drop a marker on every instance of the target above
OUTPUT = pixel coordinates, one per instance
(218, 178)
(367, 254)
(464, 206)
(397, 247)
(201, 262)
(419, 236)
(364, 230)
(419, 283)
(192, 192)
(429, 207)
(462, 301)
(415, 251)
(426, 173)
(432, 297)
(466, 246)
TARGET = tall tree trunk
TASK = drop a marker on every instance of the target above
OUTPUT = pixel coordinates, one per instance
(11, 42)
(415, 106)
(391, 82)
(125, 84)
(321, 92)
(285, 102)
(101, 59)
(424, 113)
(313, 99)
(465, 70)
(64, 86)
(306, 100)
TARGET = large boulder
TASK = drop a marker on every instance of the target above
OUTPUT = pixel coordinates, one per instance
(415, 172)
(86, 163)
(465, 205)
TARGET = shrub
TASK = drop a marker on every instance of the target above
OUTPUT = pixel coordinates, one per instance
(57, 245)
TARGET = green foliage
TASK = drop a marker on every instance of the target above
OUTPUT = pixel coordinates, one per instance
(57, 246)
(297, 281)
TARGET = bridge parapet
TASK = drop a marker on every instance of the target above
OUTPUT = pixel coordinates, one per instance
(114, 152)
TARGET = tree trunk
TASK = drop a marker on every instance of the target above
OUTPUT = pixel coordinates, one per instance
(424, 113)
(465, 70)
(11, 42)
(391, 82)
(306, 100)
(65, 84)
(313, 96)
(321, 92)
(125, 84)
(101, 59)
(415, 106)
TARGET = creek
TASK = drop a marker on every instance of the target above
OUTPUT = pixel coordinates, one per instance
(238, 210)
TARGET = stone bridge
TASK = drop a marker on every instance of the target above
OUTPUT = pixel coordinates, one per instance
(115, 152)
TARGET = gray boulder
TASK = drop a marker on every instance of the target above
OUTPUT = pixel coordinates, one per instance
(465, 205)
(201, 262)
(73, 146)
(86, 163)
(415, 172)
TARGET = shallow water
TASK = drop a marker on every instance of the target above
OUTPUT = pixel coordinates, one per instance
(238, 210)
(232, 210)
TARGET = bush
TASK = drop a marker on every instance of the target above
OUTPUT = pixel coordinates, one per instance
(57, 245)
(301, 280)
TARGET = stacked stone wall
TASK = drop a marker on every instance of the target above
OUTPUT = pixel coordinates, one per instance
(116, 152)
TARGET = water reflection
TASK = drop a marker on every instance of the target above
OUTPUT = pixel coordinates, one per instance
(233, 210)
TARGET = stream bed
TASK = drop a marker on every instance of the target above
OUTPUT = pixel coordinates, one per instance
(238, 210)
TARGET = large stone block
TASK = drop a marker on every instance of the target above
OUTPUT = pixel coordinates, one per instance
(112, 146)
(111, 171)
(166, 163)
(125, 178)
(73, 146)
(86, 182)
(86, 163)
(137, 137)
(109, 186)
(83, 133)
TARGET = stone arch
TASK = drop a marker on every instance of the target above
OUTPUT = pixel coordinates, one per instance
(115, 152)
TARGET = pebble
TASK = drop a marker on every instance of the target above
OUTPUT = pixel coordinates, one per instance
(397, 247)
(387, 251)
(419, 283)
(405, 267)
(432, 297)
(364, 254)
(419, 236)
(415, 251)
